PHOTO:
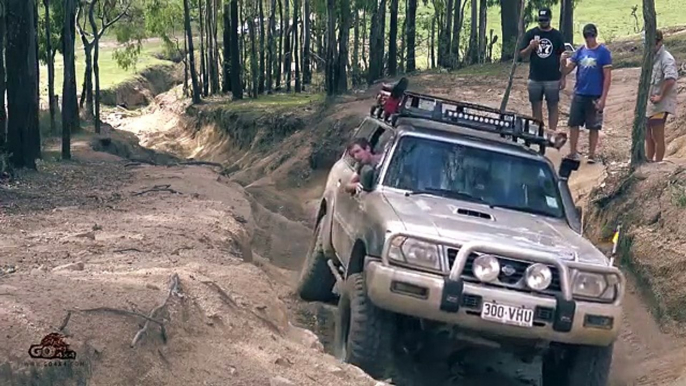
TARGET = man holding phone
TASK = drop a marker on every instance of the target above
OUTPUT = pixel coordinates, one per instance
(544, 45)
(593, 62)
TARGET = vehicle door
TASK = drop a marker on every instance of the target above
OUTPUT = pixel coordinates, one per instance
(351, 208)
(341, 173)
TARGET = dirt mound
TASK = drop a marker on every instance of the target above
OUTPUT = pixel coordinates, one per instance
(142, 89)
(654, 230)
(164, 251)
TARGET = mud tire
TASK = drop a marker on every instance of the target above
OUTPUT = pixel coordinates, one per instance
(579, 366)
(316, 281)
(364, 333)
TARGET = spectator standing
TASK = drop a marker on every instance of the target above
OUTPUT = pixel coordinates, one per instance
(544, 45)
(593, 62)
(662, 99)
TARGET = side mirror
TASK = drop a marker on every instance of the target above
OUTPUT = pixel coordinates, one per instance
(567, 166)
(367, 178)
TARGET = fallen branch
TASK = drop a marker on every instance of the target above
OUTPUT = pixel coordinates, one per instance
(158, 188)
(173, 291)
(138, 161)
(225, 296)
(128, 250)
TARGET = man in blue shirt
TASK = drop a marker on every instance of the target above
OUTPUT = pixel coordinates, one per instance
(593, 62)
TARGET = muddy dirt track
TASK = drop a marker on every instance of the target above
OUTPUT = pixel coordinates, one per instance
(113, 232)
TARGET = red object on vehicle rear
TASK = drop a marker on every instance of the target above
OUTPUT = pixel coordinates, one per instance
(391, 105)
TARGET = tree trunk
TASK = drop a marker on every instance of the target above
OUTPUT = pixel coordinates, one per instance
(287, 50)
(262, 48)
(343, 39)
(458, 21)
(638, 131)
(444, 43)
(307, 38)
(189, 36)
(69, 103)
(215, 46)
(204, 79)
(567, 20)
(271, 46)
(51, 68)
(254, 64)
(87, 91)
(473, 50)
(3, 85)
(356, 49)
(411, 34)
(236, 84)
(296, 45)
(185, 66)
(365, 61)
(278, 68)
(226, 45)
(96, 68)
(403, 44)
(331, 47)
(432, 44)
(515, 47)
(509, 15)
(483, 7)
(22, 85)
(393, 40)
(376, 43)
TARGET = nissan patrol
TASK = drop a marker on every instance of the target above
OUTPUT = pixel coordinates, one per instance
(462, 224)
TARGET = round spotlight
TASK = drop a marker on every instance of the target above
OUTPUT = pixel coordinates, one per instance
(538, 277)
(486, 268)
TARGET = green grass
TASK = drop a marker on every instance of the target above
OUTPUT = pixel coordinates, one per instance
(272, 102)
(110, 72)
(623, 54)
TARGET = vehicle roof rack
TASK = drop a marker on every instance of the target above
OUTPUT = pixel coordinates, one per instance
(507, 124)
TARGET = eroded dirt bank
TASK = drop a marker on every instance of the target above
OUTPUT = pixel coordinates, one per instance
(100, 249)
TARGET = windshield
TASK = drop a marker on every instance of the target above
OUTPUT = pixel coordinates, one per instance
(426, 166)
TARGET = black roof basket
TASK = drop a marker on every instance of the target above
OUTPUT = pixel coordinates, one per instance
(473, 116)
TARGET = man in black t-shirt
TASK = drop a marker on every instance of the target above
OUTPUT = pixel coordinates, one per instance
(544, 45)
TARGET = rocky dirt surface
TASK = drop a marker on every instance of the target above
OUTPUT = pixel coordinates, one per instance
(99, 249)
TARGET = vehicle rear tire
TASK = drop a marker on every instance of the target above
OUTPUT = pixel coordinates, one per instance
(577, 366)
(364, 333)
(316, 280)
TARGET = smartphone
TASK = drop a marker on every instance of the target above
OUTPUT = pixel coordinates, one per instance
(569, 47)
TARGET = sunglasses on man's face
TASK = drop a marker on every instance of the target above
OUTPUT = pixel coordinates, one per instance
(589, 35)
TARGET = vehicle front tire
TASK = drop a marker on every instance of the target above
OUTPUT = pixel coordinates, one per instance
(364, 333)
(316, 280)
(578, 366)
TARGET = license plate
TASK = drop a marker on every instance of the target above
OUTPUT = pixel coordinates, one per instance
(501, 313)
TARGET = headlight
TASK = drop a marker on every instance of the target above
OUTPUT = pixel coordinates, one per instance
(486, 268)
(591, 285)
(415, 252)
(538, 277)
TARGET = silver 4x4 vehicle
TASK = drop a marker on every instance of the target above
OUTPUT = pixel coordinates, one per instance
(462, 225)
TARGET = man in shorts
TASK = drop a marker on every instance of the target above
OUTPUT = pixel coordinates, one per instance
(361, 150)
(593, 62)
(662, 100)
(544, 45)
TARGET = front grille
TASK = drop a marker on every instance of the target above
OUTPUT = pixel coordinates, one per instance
(514, 280)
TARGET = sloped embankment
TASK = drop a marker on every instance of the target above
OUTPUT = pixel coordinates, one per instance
(650, 205)
(142, 89)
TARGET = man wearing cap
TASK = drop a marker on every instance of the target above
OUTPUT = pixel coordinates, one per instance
(593, 62)
(544, 46)
(662, 99)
